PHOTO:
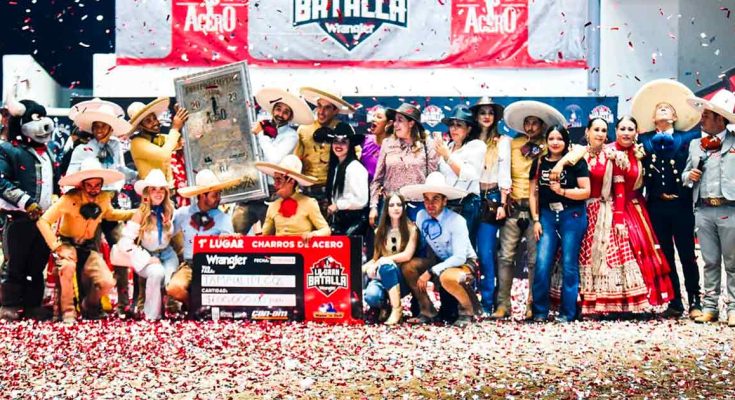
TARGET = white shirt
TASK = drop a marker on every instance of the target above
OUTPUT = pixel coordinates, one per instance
(91, 149)
(140, 256)
(356, 193)
(501, 174)
(283, 144)
(470, 157)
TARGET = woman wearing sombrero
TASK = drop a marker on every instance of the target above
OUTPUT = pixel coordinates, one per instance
(293, 214)
(146, 240)
(347, 180)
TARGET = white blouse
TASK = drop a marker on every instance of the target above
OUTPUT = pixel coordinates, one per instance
(356, 193)
(501, 173)
(139, 255)
(470, 157)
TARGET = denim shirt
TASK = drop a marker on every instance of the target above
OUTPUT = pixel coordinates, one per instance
(449, 239)
(182, 223)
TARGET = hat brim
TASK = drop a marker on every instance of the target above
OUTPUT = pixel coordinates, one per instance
(416, 192)
(390, 115)
(518, 111)
(313, 95)
(498, 109)
(191, 191)
(157, 106)
(140, 185)
(84, 121)
(469, 122)
(267, 98)
(93, 105)
(108, 176)
(271, 169)
(669, 91)
(701, 104)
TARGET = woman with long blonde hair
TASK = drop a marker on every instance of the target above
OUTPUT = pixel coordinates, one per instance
(146, 240)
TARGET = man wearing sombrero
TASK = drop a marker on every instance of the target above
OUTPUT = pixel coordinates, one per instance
(661, 109)
(28, 177)
(151, 149)
(710, 171)
(531, 119)
(315, 156)
(454, 262)
(293, 214)
(276, 138)
(79, 213)
(202, 217)
(104, 120)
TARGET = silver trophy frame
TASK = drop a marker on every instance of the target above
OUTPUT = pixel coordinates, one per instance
(218, 135)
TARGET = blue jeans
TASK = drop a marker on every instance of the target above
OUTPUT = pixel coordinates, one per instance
(487, 249)
(569, 226)
(389, 275)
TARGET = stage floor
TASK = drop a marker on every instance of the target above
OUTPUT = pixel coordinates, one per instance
(183, 359)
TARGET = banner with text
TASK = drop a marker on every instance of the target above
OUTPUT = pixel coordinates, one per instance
(277, 278)
(365, 33)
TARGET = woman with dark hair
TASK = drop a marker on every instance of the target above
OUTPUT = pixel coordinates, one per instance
(405, 159)
(495, 186)
(347, 180)
(610, 278)
(560, 220)
(396, 239)
(460, 162)
(631, 222)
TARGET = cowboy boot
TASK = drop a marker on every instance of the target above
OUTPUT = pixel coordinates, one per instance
(394, 295)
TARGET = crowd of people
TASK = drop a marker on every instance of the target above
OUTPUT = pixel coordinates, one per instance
(601, 223)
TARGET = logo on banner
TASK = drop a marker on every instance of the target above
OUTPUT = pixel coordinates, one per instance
(211, 16)
(350, 22)
(603, 112)
(573, 113)
(498, 18)
(432, 115)
(327, 310)
(327, 276)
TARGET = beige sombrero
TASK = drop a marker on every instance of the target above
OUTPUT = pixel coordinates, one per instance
(664, 91)
(435, 183)
(91, 168)
(723, 103)
(290, 166)
(137, 110)
(312, 95)
(155, 178)
(85, 113)
(518, 111)
(267, 98)
(206, 181)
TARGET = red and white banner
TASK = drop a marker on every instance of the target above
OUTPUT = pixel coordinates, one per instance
(365, 33)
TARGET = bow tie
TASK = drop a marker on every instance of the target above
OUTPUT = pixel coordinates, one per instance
(201, 221)
(269, 129)
(105, 155)
(711, 143)
(663, 141)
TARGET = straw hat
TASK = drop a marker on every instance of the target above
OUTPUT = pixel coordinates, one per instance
(206, 181)
(267, 98)
(155, 178)
(664, 91)
(312, 95)
(435, 183)
(137, 111)
(290, 166)
(408, 111)
(518, 111)
(723, 103)
(488, 101)
(91, 168)
(85, 113)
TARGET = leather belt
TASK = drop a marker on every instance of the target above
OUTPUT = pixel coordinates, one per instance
(715, 201)
(668, 197)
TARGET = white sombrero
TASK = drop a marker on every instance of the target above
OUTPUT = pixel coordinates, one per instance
(155, 178)
(290, 166)
(91, 168)
(312, 95)
(515, 114)
(267, 98)
(723, 103)
(435, 183)
(137, 110)
(85, 113)
(206, 181)
(659, 91)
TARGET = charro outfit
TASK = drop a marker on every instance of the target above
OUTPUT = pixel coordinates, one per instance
(307, 218)
(315, 158)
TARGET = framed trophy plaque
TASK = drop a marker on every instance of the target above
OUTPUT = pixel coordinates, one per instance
(217, 135)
